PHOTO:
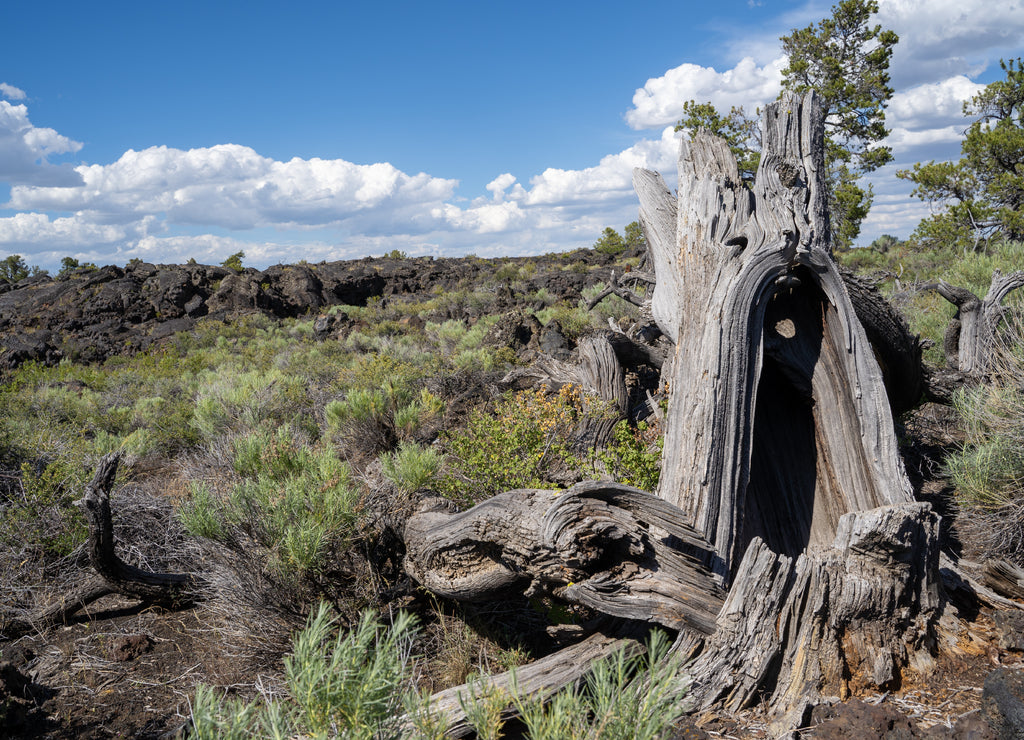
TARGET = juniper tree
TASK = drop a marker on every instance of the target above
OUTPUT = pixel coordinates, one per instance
(980, 197)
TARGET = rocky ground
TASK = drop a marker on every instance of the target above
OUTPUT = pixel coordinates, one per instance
(90, 314)
(122, 671)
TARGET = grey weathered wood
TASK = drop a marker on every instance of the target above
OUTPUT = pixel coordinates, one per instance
(780, 472)
(778, 420)
(611, 547)
(897, 349)
(971, 336)
(830, 621)
(534, 682)
(1005, 578)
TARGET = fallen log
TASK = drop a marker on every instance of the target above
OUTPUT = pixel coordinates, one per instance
(611, 547)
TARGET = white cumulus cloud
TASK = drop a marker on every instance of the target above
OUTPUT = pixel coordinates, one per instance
(660, 101)
(611, 178)
(24, 149)
(11, 92)
(500, 184)
(945, 38)
(234, 187)
(931, 105)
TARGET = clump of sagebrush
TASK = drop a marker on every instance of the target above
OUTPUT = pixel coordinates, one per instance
(361, 684)
(411, 466)
(988, 471)
(293, 501)
(354, 685)
(527, 437)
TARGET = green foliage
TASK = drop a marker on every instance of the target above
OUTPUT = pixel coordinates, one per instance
(980, 198)
(634, 458)
(353, 685)
(359, 685)
(513, 445)
(743, 134)
(411, 466)
(884, 243)
(988, 471)
(296, 502)
(201, 514)
(13, 268)
(373, 419)
(234, 262)
(635, 239)
(231, 400)
(397, 254)
(614, 244)
(610, 242)
(70, 264)
(627, 698)
(925, 311)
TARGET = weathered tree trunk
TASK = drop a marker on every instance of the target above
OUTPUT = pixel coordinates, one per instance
(778, 421)
(829, 621)
(170, 589)
(971, 336)
(608, 546)
(114, 575)
(781, 481)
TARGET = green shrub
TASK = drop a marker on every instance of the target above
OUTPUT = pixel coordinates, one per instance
(201, 514)
(634, 457)
(241, 401)
(296, 502)
(411, 466)
(988, 471)
(574, 320)
(627, 698)
(360, 685)
(354, 685)
(513, 445)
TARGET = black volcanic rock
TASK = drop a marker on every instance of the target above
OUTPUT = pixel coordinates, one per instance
(90, 314)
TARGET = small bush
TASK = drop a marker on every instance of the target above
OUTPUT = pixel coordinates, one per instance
(513, 445)
(625, 698)
(354, 685)
(634, 457)
(296, 502)
(411, 466)
(988, 472)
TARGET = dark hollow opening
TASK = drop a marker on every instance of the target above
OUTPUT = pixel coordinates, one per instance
(788, 500)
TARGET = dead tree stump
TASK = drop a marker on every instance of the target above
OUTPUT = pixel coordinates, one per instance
(781, 485)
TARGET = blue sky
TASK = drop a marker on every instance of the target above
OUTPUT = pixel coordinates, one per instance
(332, 130)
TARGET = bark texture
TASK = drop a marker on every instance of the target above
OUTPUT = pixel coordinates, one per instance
(611, 547)
(778, 421)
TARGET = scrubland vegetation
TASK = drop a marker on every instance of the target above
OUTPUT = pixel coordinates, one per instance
(279, 464)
